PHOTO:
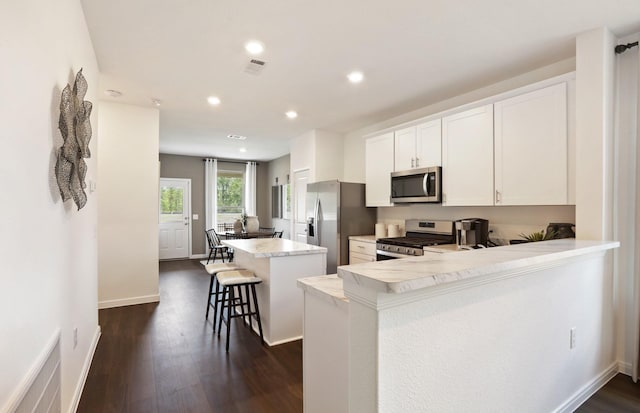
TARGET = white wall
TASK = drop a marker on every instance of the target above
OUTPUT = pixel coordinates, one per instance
(594, 133)
(128, 199)
(354, 142)
(329, 156)
(48, 249)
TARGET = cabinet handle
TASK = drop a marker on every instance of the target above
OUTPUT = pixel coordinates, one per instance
(412, 163)
(360, 246)
(498, 196)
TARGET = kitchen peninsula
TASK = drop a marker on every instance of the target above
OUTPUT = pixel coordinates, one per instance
(525, 327)
(279, 263)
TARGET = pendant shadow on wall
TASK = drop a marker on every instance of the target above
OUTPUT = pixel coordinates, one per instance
(74, 125)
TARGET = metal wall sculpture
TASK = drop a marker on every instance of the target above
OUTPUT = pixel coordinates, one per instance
(75, 126)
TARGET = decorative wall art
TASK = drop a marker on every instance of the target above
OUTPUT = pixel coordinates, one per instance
(75, 126)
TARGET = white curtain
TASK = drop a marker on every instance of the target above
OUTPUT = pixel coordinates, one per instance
(210, 194)
(250, 189)
(627, 202)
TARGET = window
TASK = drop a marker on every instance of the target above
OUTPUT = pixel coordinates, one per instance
(230, 196)
(171, 204)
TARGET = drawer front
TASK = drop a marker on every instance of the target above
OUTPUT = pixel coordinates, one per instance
(357, 258)
(367, 248)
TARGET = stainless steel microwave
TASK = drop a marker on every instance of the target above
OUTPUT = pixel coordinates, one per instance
(417, 185)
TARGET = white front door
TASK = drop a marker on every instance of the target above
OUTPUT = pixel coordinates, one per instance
(300, 181)
(174, 223)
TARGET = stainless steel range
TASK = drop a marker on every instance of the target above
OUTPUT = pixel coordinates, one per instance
(420, 233)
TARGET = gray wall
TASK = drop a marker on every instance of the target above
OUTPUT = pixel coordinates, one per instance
(189, 167)
(279, 168)
(192, 167)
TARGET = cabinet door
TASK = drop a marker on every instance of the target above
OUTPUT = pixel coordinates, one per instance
(531, 148)
(429, 144)
(378, 168)
(405, 149)
(467, 157)
(357, 258)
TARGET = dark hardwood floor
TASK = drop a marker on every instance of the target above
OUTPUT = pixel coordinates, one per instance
(620, 395)
(163, 357)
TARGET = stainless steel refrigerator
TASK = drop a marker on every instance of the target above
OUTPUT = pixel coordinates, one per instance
(336, 210)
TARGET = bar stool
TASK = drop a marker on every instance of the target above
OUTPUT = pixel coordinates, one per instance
(213, 270)
(232, 283)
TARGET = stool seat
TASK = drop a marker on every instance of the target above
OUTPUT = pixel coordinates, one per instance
(213, 270)
(237, 277)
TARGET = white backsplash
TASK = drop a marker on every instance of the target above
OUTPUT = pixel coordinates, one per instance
(505, 222)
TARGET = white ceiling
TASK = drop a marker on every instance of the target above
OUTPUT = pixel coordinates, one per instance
(412, 52)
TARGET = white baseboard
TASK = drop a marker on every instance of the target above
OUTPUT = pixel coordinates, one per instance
(75, 401)
(625, 368)
(121, 302)
(588, 389)
(198, 256)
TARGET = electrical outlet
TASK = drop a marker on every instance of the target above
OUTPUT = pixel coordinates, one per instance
(572, 338)
(75, 337)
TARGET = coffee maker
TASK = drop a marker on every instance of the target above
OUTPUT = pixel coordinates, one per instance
(472, 233)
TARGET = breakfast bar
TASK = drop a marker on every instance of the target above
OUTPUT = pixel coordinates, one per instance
(279, 263)
(447, 332)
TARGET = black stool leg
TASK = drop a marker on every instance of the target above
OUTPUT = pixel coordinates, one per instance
(210, 252)
(247, 319)
(206, 317)
(225, 292)
(230, 302)
(255, 304)
(216, 301)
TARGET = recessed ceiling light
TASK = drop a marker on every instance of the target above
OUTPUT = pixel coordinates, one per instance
(243, 149)
(292, 114)
(113, 93)
(254, 47)
(213, 100)
(355, 77)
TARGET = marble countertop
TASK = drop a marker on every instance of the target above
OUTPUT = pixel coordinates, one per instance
(364, 238)
(414, 273)
(326, 287)
(273, 247)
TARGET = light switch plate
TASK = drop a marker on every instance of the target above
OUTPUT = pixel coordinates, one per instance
(195, 217)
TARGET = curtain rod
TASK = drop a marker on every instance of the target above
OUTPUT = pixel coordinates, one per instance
(621, 48)
(228, 161)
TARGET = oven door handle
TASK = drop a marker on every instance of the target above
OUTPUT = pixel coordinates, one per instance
(392, 254)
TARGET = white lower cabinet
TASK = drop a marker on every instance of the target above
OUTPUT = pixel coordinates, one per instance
(467, 157)
(378, 168)
(531, 148)
(360, 251)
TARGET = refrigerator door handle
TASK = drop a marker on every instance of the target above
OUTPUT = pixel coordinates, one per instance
(317, 220)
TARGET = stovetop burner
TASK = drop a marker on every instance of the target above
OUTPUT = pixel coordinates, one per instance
(415, 242)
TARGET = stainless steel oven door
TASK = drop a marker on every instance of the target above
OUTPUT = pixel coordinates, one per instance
(386, 255)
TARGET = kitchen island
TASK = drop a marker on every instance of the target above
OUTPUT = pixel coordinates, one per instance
(279, 263)
(527, 327)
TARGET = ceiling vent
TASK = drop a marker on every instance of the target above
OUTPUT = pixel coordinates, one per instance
(255, 67)
(237, 137)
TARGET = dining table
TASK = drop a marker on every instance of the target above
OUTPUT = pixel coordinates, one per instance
(248, 235)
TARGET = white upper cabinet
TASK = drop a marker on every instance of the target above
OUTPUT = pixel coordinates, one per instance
(419, 146)
(405, 148)
(467, 157)
(531, 148)
(378, 167)
(429, 144)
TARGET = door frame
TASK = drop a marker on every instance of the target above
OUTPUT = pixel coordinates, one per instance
(294, 207)
(190, 215)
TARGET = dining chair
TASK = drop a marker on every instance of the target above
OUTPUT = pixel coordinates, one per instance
(215, 246)
(277, 234)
